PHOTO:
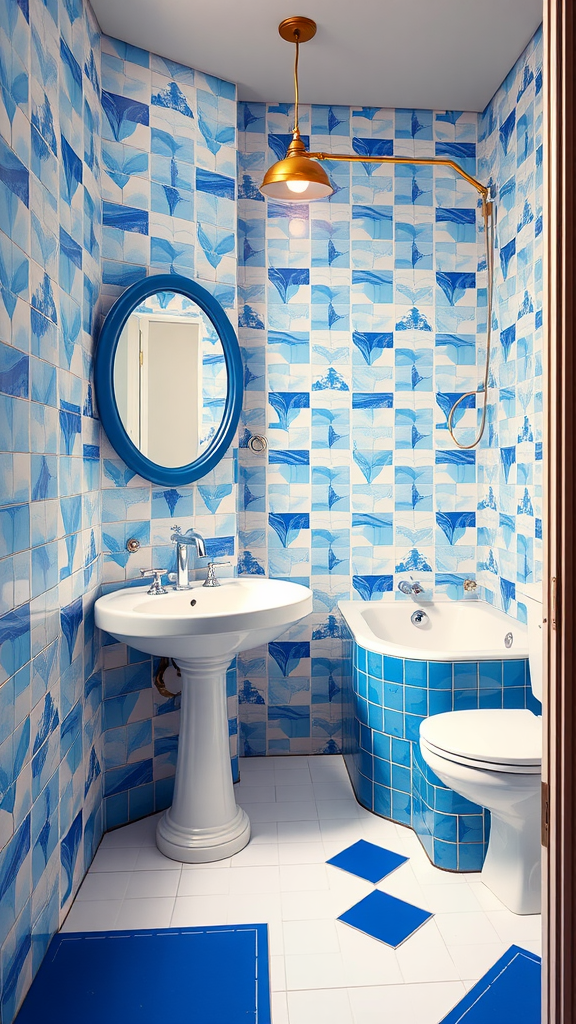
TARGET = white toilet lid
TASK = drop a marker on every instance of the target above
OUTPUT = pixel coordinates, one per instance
(495, 736)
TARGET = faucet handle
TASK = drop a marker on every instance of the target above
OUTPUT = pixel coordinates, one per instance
(156, 585)
(211, 579)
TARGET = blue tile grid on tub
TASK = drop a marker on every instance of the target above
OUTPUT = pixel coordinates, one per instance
(509, 993)
(387, 700)
(385, 917)
(368, 861)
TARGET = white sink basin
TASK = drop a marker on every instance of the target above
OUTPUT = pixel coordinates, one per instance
(202, 628)
(239, 614)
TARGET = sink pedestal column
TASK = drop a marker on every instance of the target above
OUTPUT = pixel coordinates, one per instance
(204, 822)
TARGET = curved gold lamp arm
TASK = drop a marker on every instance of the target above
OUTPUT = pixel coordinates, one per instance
(426, 161)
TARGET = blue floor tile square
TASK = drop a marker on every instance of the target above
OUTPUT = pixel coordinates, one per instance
(509, 993)
(368, 861)
(386, 918)
(213, 975)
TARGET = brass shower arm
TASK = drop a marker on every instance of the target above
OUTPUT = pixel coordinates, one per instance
(428, 161)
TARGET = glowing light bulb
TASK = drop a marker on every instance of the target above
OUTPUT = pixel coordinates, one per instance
(297, 186)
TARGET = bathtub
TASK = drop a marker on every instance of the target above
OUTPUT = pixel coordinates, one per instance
(464, 654)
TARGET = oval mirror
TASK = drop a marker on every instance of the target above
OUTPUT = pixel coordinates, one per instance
(168, 378)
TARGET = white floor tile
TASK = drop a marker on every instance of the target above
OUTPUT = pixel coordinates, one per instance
(150, 859)
(289, 792)
(104, 885)
(472, 961)
(299, 777)
(191, 911)
(204, 883)
(254, 908)
(367, 961)
(323, 1006)
(256, 855)
(424, 957)
(92, 916)
(301, 853)
(291, 763)
(321, 773)
(341, 830)
(254, 880)
(515, 927)
(311, 937)
(279, 1007)
(339, 790)
(145, 913)
(310, 906)
(466, 929)
(153, 883)
(485, 896)
(249, 793)
(330, 809)
(263, 832)
(139, 833)
(299, 832)
(254, 764)
(277, 974)
(281, 811)
(117, 859)
(314, 970)
(449, 899)
(405, 1004)
(299, 877)
(403, 885)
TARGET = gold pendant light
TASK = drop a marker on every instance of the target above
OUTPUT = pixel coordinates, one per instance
(297, 178)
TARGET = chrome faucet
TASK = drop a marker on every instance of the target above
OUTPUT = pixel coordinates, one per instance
(183, 542)
(410, 588)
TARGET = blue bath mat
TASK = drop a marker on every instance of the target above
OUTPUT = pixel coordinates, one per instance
(385, 918)
(213, 975)
(508, 994)
(367, 861)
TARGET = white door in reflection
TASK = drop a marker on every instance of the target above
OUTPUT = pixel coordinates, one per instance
(158, 386)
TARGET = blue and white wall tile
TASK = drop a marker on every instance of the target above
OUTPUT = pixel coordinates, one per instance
(50, 240)
(510, 462)
(358, 321)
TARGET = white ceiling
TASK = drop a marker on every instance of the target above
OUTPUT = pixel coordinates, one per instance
(435, 54)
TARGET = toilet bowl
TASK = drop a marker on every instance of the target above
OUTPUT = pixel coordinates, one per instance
(493, 757)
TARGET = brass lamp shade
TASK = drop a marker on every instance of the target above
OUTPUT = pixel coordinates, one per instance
(297, 178)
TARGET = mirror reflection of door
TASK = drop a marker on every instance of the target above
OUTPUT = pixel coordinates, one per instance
(158, 386)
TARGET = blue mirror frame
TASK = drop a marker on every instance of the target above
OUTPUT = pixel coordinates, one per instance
(112, 328)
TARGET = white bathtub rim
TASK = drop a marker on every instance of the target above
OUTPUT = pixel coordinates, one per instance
(365, 638)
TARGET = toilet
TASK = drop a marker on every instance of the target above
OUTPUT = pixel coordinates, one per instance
(493, 757)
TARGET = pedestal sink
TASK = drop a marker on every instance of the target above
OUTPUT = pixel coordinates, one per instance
(202, 629)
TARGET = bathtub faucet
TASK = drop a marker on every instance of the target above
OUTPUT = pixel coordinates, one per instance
(410, 588)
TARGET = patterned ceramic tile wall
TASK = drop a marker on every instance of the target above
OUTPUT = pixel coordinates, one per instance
(362, 320)
(509, 515)
(169, 197)
(50, 238)
(358, 319)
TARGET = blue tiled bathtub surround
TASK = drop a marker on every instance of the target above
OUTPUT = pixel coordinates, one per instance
(386, 699)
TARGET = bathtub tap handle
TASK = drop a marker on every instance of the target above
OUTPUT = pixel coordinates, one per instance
(410, 588)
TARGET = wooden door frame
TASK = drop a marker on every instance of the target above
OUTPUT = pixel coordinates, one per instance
(559, 768)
